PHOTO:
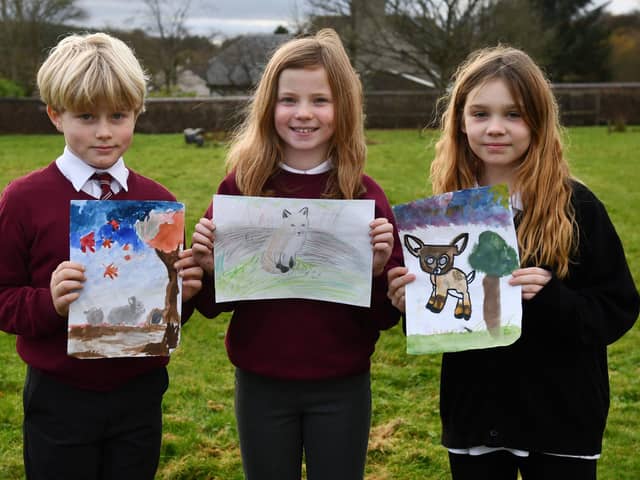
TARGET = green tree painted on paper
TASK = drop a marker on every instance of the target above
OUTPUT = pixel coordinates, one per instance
(493, 256)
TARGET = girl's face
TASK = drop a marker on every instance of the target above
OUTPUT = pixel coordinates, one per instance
(496, 131)
(304, 115)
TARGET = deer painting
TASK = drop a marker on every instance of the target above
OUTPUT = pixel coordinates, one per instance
(437, 261)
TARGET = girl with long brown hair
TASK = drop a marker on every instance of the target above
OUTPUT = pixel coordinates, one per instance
(538, 406)
(302, 366)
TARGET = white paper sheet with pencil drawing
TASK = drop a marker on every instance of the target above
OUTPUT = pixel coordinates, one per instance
(270, 247)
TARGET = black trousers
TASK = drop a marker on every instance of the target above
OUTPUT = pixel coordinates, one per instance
(327, 419)
(73, 434)
(503, 465)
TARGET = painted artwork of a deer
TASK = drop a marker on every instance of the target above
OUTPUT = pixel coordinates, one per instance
(437, 261)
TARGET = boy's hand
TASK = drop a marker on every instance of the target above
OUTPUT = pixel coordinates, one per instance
(398, 278)
(381, 234)
(203, 238)
(66, 281)
(191, 274)
(531, 279)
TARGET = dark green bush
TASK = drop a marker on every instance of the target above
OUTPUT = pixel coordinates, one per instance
(9, 88)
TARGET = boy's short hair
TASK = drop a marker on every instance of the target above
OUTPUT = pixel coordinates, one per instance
(83, 71)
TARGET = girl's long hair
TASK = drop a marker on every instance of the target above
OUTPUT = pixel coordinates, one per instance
(547, 229)
(256, 149)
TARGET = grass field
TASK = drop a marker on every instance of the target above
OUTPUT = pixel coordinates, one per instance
(200, 438)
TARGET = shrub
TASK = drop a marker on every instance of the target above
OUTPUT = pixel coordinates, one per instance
(9, 88)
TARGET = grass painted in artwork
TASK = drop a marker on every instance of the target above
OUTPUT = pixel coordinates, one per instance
(450, 342)
(200, 440)
(339, 285)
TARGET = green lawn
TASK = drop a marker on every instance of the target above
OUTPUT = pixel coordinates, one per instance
(200, 438)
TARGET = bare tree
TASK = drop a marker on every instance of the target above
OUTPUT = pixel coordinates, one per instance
(298, 21)
(27, 28)
(431, 36)
(348, 17)
(428, 38)
(424, 36)
(168, 19)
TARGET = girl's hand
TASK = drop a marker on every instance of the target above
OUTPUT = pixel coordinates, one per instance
(531, 279)
(398, 278)
(66, 281)
(203, 238)
(191, 274)
(381, 234)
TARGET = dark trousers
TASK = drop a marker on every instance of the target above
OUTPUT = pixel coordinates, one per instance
(73, 434)
(327, 419)
(503, 465)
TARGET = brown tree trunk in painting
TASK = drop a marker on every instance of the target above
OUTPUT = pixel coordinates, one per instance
(170, 312)
(491, 307)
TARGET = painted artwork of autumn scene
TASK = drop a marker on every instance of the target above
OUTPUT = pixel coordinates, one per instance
(130, 304)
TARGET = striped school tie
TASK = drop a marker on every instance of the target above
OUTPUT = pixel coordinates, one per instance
(104, 179)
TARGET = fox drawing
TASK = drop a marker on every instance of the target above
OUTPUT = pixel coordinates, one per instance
(286, 242)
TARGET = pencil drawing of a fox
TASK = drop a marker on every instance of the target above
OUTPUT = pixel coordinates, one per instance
(286, 242)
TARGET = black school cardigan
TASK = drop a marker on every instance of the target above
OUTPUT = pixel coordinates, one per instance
(549, 391)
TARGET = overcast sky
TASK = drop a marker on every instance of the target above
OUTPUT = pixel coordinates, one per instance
(227, 17)
(206, 17)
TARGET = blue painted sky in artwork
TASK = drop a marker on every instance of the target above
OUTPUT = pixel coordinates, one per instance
(97, 216)
(476, 206)
(123, 268)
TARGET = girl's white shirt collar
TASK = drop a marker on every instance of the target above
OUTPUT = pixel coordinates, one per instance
(79, 174)
(323, 167)
(516, 202)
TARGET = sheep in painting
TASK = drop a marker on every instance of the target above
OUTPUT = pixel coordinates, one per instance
(126, 314)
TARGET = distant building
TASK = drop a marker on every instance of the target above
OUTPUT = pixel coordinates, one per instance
(187, 81)
(238, 67)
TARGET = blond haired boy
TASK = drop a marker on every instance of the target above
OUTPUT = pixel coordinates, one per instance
(83, 419)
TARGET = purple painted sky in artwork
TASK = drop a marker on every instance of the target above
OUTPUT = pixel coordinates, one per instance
(477, 206)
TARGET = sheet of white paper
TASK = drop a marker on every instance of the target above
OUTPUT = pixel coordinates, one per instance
(471, 237)
(128, 248)
(270, 247)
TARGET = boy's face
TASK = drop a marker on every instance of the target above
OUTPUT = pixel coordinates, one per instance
(99, 137)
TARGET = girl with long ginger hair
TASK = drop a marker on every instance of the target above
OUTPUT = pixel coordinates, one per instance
(538, 406)
(302, 366)
(257, 149)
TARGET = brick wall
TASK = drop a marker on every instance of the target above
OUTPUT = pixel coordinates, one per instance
(580, 104)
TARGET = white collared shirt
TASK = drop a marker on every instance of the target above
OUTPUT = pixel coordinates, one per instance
(79, 174)
(516, 203)
(323, 167)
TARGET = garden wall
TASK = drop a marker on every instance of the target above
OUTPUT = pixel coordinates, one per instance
(580, 104)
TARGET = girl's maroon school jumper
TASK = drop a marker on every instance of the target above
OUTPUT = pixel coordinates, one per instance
(298, 339)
